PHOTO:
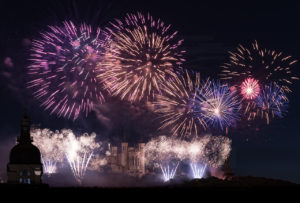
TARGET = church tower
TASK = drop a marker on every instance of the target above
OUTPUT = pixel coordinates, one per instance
(24, 165)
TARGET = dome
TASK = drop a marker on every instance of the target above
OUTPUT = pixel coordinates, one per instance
(25, 153)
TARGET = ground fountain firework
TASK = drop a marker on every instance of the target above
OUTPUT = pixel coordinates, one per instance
(167, 152)
(78, 150)
(169, 171)
(198, 170)
(51, 147)
(62, 72)
(144, 53)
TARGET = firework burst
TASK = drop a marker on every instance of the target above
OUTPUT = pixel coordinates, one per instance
(271, 102)
(62, 70)
(250, 89)
(175, 106)
(262, 64)
(217, 105)
(143, 54)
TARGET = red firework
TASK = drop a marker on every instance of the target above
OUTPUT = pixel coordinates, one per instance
(250, 88)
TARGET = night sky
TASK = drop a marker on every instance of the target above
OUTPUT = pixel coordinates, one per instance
(209, 31)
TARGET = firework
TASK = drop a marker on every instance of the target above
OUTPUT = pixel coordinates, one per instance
(198, 170)
(144, 54)
(50, 146)
(175, 106)
(271, 102)
(217, 105)
(49, 166)
(262, 64)
(250, 89)
(79, 151)
(216, 150)
(62, 70)
(169, 171)
(168, 152)
(57, 145)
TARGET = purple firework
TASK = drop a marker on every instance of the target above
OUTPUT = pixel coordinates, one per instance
(62, 70)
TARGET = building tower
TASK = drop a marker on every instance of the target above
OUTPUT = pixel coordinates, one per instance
(142, 158)
(24, 165)
(124, 154)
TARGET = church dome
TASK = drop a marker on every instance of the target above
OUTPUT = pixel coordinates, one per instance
(25, 153)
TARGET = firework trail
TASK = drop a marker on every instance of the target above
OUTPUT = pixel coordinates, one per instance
(168, 152)
(263, 65)
(144, 53)
(49, 166)
(217, 105)
(198, 170)
(79, 151)
(62, 71)
(271, 102)
(169, 171)
(79, 164)
(175, 106)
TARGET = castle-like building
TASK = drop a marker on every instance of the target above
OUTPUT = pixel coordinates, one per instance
(24, 165)
(129, 161)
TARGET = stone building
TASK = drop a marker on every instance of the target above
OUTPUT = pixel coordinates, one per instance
(130, 160)
(24, 165)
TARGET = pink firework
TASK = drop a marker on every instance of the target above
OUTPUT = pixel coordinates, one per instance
(250, 88)
(62, 70)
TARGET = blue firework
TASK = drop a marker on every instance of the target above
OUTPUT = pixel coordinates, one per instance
(272, 102)
(217, 104)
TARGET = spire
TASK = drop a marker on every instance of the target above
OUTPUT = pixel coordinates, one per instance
(25, 129)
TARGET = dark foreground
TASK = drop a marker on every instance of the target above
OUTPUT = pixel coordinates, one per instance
(248, 187)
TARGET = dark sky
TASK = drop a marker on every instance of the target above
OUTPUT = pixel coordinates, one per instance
(209, 28)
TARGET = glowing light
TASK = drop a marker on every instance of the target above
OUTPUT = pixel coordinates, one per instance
(198, 170)
(49, 167)
(168, 172)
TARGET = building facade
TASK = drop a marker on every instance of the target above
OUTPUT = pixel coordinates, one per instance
(129, 160)
(24, 165)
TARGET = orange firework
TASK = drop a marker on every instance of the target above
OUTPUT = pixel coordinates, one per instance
(143, 55)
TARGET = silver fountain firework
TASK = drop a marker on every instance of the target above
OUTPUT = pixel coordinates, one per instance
(56, 145)
(79, 152)
(49, 143)
(168, 152)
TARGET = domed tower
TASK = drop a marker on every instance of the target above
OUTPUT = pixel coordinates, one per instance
(25, 165)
